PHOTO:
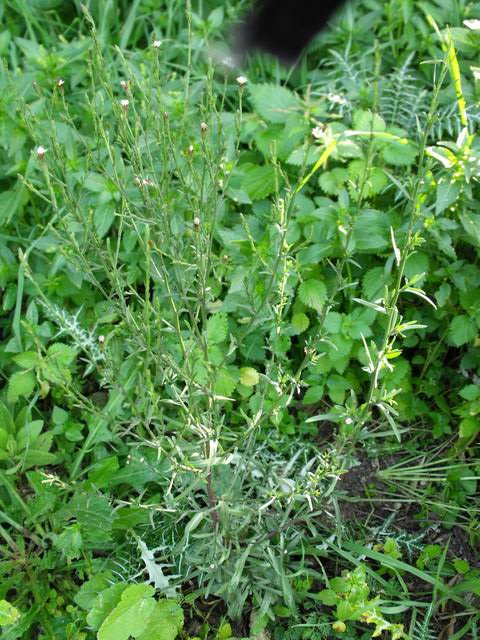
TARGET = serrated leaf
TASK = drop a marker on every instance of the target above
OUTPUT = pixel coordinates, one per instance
(249, 376)
(470, 392)
(225, 381)
(26, 360)
(332, 181)
(131, 615)
(313, 294)
(61, 353)
(368, 121)
(399, 153)
(20, 385)
(257, 181)
(462, 330)
(300, 322)
(313, 395)
(273, 102)
(217, 328)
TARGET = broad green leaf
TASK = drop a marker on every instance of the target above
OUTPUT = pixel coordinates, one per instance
(368, 121)
(21, 385)
(90, 589)
(273, 102)
(471, 223)
(257, 181)
(462, 329)
(313, 395)
(165, 622)
(469, 427)
(104, 603)
(249, 376)
(313, 294)
(27, 360)
(399, 152)
(447, 194)
(6, 419)
(300, 322)
(327, 597)
(225, 381)
(332, 181)
(61, 353)
(217, 328)
(131, 616)
(8, 613)
(27, 435)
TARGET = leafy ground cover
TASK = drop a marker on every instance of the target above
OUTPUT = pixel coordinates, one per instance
(240, 325)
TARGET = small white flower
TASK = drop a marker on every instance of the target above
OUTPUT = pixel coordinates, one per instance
(157, 44)
(190, 149)
(124, 104)
(242, 81)
(196, 221)
(124, 84)
(41, 151)
(317, 133)
(60, 82)
(203, 127)
(101, 339)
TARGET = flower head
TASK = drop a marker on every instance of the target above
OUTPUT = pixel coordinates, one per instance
(157, 44)
(124, 104)
(41, 151)
(241, 81)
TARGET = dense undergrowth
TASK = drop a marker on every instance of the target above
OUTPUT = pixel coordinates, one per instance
(240, 325)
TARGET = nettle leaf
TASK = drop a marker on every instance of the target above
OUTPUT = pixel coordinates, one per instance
(372, 231)
(62, 354)
(376, 179)
(313, 395)
(217, 328)
(300, 322)
(249, 376)
(368, 121)
(20, 385)
(27, 360)
(257, 181)
(274, 103)
(225, 381)
(131, 615)
(462, 329)
(165, 622)
(313, 294)
(332, 181)
(399, 153)
(470, 392)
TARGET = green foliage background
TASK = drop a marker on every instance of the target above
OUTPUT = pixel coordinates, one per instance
(240, 325)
